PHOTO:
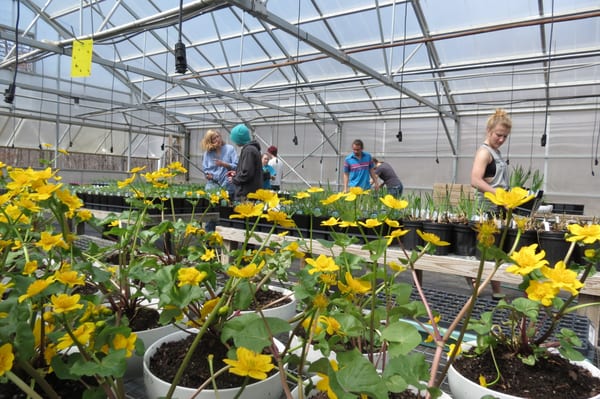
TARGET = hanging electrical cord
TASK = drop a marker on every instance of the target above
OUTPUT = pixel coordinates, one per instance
(9, 93)
(112, 110)
(180, 56)
(532, 135)
(594, 161)
(545, 135)
(41, 107)
(162, 146)
(437, 136)
(70, 112)
(295, 138)
(512, 90)
(399, 134)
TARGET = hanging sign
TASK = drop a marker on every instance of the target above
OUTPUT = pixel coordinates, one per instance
(81, 59)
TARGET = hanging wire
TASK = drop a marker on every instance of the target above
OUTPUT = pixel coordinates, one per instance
(594, 162)
(399, 134)
(545, 136)
(437, 135)
(512, 90)
(295, 138)
(41, 107)
(9, 93)
(162, 146)
(532, 135)
(112, 94)
(70, 112)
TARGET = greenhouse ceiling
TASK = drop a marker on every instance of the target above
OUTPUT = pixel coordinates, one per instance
(292, 61)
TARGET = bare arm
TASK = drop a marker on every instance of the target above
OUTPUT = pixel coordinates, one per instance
(374, 178)
(346, 179)
(482, 159)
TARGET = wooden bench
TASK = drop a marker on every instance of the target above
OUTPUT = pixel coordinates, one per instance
(453, 265)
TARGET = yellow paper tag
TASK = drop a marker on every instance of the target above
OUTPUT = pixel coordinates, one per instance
(81, 59)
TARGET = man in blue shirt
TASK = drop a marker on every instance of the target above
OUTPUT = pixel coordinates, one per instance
(359, 168)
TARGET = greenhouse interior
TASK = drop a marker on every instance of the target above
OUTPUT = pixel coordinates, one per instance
(387, 119)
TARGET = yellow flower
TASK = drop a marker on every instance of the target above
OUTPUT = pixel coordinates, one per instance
(588, 234)
(313, 189)
(330, 222)
(126, 182)
(323, 383)
(190, 276)
(509, 199)
(307, 324)
(280, 218)
(35, 288)
(4, 287)
(354, 286)
(347, 223)
(248, 271)
(397, 267)
(72, 201)
(190, 229)
(70, 278)
(482, 381)
(294, 248)
(328, 279)
(251, 364)
(137, 169)
(563, 278)
(48, 241)
(432, 238)
(64, 303)
(370, 223)
(332, 198)
(333, 327)
(320, 301)
(208, 307)
(542, 291)
(395, 234)
(354, 192)
(177, 166)
(208, 255)
(486, 233)
(394, 224)
(392, 202)
(247, 210)
(269, 197)
(527, 260)
(83, 335)
(322, 264)
(7, 358)
(30, 267)
(37, 330)
(84, 215)
(454, 347)
(128, 343)
(302, 195)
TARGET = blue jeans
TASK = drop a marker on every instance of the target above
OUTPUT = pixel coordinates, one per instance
(395, 191)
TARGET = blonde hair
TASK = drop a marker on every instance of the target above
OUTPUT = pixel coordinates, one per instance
(207, 140)
(500, 117)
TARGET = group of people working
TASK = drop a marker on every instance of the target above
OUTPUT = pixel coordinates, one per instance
(252, 170)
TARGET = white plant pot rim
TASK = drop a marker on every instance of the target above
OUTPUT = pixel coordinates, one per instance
(156, 387)
(463, 388)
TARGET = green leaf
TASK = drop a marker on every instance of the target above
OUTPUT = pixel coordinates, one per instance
(402, 337)
(356, 375)
(250, 330)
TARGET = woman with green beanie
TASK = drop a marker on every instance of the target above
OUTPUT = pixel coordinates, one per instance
(247, 178)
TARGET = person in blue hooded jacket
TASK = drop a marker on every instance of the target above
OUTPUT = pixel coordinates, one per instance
(248, 176)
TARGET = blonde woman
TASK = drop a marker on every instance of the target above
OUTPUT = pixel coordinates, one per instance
(489, 169)
(219, 158)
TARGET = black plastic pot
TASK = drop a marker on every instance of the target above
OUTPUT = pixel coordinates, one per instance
(464, 239)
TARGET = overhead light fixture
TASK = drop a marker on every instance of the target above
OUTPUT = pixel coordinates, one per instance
(399, 135)
(9, 94)
(180, 58)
